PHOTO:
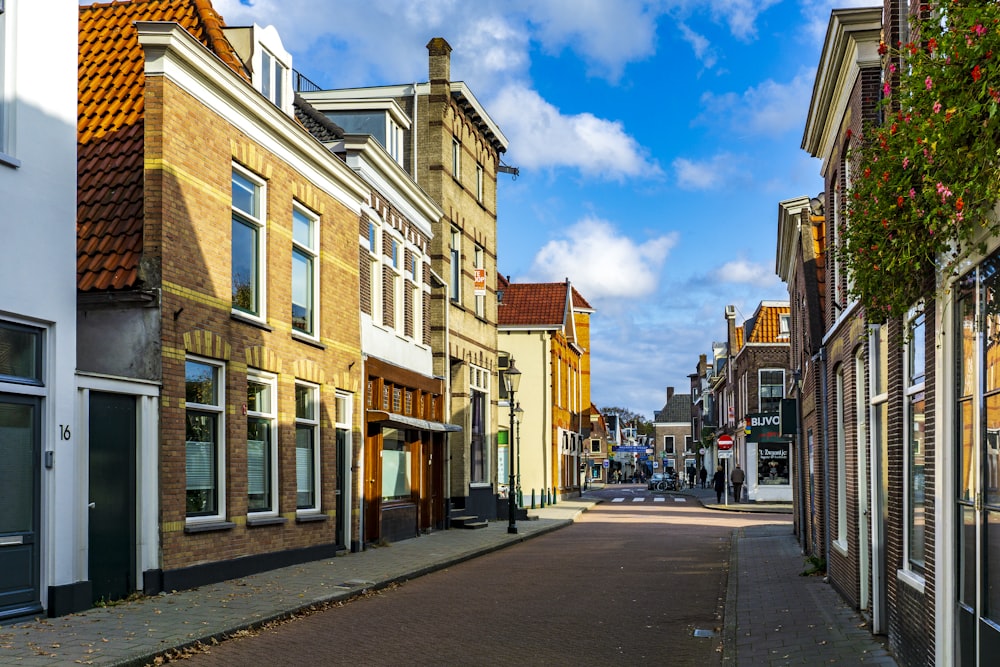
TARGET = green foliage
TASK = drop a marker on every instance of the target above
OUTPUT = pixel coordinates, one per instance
(629, 418)
(924, 183)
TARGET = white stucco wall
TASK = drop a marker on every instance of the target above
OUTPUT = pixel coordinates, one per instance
(38, 252)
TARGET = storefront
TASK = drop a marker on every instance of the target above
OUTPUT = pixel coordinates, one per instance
(769, 471)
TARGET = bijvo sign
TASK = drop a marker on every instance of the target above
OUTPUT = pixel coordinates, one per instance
(764, 427)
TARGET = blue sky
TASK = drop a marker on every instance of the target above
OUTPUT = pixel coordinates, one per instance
(654, 141)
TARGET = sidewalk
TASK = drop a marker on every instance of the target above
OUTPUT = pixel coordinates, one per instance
(773, 616)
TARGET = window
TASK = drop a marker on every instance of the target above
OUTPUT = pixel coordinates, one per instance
(879, 398)
(841, 460)
(20, 354)
(456, 265)
(456, 158)
(913, 496)
(396, 471)
(248, 244)
(306, 446)
(595, 446)
(479, 379)
(397, 285)
(478, 264)
(6, 98)
(262, 455)
(204, 384)
(375, 271)
(772, 389)
(272, 78)
(416, 305)
(304, 271)
(783, 321)
(668, 444)
(479, 183)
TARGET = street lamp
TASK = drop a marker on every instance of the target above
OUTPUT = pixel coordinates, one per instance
(512, 380)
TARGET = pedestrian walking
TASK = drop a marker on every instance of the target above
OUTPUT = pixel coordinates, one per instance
(703, 477)
(692, 473)
(719, 482)
(737, 478)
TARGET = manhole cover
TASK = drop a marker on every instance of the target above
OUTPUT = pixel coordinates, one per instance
(699, 632)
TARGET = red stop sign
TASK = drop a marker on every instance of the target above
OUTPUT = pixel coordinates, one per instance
(725, 442)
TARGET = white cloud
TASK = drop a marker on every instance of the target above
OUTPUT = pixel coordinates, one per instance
(769, 109)
(745, 272)
(542, 137)
(601, 263)
(709, 174)
(702, 48)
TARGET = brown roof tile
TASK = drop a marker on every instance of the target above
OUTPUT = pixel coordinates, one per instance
(539, 304)
(110, 130)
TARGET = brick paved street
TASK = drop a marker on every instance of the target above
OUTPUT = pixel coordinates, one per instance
(644, 609)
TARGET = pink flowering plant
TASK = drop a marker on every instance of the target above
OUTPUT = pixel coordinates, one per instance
(925, 181)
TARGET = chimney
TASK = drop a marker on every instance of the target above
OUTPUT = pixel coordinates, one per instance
(670, 393)
(439, 60)
(731, 329)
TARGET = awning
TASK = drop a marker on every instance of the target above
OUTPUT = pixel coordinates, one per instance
(410, 422)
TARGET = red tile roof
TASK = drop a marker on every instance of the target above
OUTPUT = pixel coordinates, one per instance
(110, 129)
(767, 323)
(535, 304)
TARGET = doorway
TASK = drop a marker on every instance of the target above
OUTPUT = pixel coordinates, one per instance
(112, 514)
(20, 478)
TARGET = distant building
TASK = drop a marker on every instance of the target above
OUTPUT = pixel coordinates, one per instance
(673, 443)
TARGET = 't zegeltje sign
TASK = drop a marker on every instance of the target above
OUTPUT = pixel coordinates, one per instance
(764, 427)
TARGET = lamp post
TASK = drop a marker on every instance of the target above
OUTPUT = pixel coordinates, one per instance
(512, 380)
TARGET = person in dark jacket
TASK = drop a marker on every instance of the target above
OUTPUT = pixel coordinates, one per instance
(719, 482)
(737, 477)
(703, 477)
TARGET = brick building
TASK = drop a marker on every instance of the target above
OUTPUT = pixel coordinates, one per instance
(673, 443)
(218, 303)
(450, 146)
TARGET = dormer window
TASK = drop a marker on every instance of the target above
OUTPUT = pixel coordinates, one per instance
(272, 78)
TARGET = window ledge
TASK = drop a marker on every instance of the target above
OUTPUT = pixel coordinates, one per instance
(247, 319)
(839, 547)
(9, 161)
(208, 526)
(310, 518)
(254, 522)
(305, 338)
(911, 579)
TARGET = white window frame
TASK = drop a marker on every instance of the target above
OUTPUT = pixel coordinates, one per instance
(8, 47)
(478, 261)
(668, 444)
(311, 253)
(479, 183)
(479, 380)
(375, 270)
(911, 391)
(270, 415)
(257, 220)
(310, 423)
(274, 75)
(456, 158)
(840, 542)
(413, 275)
(218, 409)
(397, 256)
(455, 278)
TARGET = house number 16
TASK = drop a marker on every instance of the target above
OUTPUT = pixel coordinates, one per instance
(64, 432)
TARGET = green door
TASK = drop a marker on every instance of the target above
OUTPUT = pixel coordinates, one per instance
(20, 477)
(112, 496)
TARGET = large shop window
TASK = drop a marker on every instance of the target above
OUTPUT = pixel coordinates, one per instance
(396, 485)
(204, 455)
(248, 243)
(914, 492)
(479, 457)
(306, 446)
(261, 454)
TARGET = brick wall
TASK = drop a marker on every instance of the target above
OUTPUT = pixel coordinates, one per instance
(189, 198)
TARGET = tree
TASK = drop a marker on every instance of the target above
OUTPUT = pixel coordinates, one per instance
(627, 417)
(925, 180)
